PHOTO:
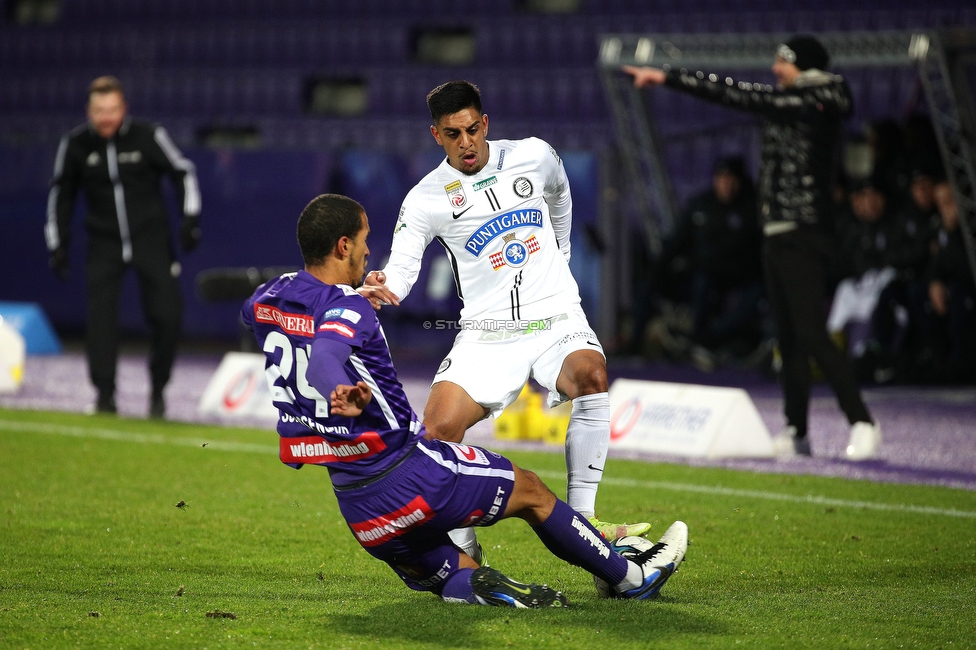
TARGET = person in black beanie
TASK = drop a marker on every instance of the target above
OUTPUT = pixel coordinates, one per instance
(802, 133)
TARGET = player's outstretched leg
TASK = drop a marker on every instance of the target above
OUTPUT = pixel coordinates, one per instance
(487, 586)
(658, 562)
(570, 537)
(492, 587)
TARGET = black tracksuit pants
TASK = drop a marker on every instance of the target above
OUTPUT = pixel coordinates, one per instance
(162, 305)
(795, 264)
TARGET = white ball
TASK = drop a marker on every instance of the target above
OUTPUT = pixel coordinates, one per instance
(628, 547)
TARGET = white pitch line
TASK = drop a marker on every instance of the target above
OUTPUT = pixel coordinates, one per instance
(143, 438)
(775, 496)
(159, 439)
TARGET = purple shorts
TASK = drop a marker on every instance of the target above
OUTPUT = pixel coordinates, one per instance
(404, 517)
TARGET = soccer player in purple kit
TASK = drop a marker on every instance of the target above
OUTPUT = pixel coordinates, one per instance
(400, 492)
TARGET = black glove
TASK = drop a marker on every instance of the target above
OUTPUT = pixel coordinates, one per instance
(189, 233)
(59, 263)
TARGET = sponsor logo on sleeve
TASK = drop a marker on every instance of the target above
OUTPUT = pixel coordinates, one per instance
(345, 314)
(455, 194)
(523, 187)
(555, 155)
(400, 223)
(338, 328)
(382, 529)
(445, 364)
(297, 324)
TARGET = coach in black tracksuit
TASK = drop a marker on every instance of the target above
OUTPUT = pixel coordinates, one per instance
(118, 162)
(800, 155)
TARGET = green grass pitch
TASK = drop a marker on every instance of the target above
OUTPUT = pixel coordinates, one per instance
(94, 552)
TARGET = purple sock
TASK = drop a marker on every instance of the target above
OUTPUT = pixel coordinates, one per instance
(457, 588)
(570, 537)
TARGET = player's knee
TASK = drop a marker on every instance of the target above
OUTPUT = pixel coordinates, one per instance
(443, 429)
(592, 380)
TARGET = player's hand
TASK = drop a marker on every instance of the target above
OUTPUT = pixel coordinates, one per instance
(189, 233)
(59, 263)
(374, 290)
(375, 279)
(644, 76)
(349, 401)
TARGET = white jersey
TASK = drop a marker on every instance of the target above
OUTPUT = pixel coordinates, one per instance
(505, 229)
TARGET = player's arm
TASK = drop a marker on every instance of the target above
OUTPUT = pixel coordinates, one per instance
(182, 172)
(393, 283)
(327, 374)
(559, 199)
(763, 99)
(411, 235)
(61, 204)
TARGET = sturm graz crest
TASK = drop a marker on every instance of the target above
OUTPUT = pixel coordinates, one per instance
(522, 187)
(516, 253)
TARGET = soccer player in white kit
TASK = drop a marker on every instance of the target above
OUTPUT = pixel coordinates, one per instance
(502, 210)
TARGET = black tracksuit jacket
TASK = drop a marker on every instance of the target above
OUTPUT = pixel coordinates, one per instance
(121, 181)
(801, 139)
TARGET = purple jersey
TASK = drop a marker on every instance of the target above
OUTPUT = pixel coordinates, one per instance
(291, 314)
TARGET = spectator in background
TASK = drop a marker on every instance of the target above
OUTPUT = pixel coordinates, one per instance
(952, 289)
(865, 248)
(118, 162)
(719, 236)
(900, 322)
(802, 132)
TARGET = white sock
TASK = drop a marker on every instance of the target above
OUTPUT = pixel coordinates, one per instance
(633, 579)
(587, 440)
(466, 540)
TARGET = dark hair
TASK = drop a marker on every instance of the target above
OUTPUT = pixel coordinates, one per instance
(105, 85)
(323, 222)
(452, 97)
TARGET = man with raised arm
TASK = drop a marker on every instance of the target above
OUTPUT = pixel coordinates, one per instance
(802, 133)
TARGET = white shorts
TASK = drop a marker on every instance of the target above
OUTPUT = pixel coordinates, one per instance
(492, 366)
